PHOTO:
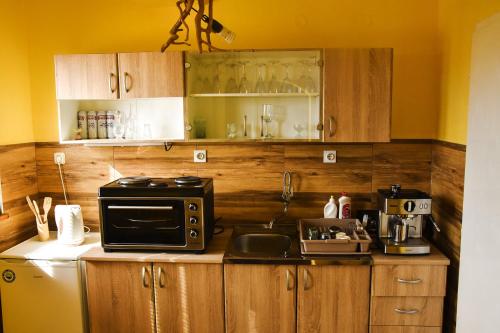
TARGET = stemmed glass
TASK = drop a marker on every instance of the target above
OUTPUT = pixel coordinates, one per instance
(287, 86)
(231, 86)
(273, 86)
(243, 88)
(299, 128)
(267, 116)
(306, 82)
(216, 85)
(260, 86)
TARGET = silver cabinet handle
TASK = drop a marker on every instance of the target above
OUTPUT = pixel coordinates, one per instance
(289, 282)
(307, 281)
(416, 281)
(332, 125)
(146, 277)
(141, 207)
(161, 277)
(402, 311)
(126, 77)
(112, 82)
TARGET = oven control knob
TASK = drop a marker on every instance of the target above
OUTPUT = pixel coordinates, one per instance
(193, 233)
(193, 207)
(193, 220)
(409, 206)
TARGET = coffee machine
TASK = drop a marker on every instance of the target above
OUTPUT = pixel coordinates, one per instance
(403, 215)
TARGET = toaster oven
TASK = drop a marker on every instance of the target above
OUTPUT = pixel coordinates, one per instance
(157, 214)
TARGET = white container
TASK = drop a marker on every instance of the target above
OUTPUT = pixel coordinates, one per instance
(110, 123)
(344, 206)
(82, 123)
(102, 132)
(69, 223)
(330, 210)
(92, 125)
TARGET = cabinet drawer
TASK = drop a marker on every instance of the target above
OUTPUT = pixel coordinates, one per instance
(409, 280)
(404, 329)
(407, 311)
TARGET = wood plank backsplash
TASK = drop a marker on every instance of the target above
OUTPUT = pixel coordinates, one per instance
(17, 180)
(247, 177)
(447, 183)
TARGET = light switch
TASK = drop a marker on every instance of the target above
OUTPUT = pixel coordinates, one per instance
(329, 156)
(200, 156)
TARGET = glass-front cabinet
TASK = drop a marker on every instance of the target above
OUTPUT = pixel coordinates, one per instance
(253, 95)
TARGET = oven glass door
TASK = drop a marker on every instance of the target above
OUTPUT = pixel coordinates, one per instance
(143, 221)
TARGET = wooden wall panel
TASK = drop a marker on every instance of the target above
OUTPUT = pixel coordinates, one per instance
(407, 164)
(247, 177)
(448, 171)
(17, 180)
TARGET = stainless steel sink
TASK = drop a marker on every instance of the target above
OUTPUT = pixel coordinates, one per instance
(268, 244)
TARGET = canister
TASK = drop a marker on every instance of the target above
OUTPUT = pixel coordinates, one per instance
(102, 132)
(110, 123)
(92, 125)
(82, 123)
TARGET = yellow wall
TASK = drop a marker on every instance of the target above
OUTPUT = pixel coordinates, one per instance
(62, 26)
(457, 22)
(15, 107)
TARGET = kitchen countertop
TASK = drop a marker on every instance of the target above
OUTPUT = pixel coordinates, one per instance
(213, 255)
(434, 258)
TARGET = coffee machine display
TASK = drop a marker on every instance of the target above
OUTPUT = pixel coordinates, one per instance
(403, 214)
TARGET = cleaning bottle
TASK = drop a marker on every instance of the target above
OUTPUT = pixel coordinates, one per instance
(330, 210)
(344, 206)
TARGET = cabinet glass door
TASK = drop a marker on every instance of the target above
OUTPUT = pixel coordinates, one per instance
(261, 95)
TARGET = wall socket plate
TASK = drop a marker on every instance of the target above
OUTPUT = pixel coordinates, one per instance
(200, 156)
(59, 158)
(329, 156)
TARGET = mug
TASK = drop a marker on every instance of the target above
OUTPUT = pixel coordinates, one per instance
(69, 221)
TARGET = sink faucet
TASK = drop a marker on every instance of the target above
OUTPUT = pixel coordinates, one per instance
(286, 197)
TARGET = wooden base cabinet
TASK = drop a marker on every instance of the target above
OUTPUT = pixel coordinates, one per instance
(333, 299)
(260, 298)
(155, 297)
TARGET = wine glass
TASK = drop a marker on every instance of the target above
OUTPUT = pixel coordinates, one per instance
(306, 82)
(231, 130)
(231, 86)
(260, 86)
(299, 128)
(273, 86)
(267, 116)
(216, 85)
(286, 85)
(243, 88)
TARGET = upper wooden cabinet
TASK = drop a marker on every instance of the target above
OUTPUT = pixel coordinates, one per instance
(333, 299)
(86, 76)
(151, 74)
(357, 95)
(126, 75)
(260, 298)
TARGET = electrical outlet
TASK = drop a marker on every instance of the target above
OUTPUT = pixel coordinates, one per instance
(59, 158)
(329, 156)
(200, 156)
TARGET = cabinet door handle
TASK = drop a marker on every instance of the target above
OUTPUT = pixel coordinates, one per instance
(307, 281)
(332, 126)
(146, 277)
(112, 82)
(161, 277)
(289, 280)
(402, 311)
(126, 79)
(416, 281)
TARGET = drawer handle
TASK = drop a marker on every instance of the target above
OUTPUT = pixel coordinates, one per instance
(416, 281)
(410, 312)
(145, 277)
(307, 282)
(289, 282)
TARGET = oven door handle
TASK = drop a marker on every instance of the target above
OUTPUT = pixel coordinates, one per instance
(149, 221)
(141, 207)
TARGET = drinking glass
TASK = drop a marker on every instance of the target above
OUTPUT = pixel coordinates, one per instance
(273, 85)
(260, 86)
(243, 88)
(231, 130)
(216, 85)
(306, 83)
(299, 128)
(231, 86)
(286, 85)
(267, 116)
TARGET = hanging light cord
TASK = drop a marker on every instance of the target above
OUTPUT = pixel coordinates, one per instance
(62, 183)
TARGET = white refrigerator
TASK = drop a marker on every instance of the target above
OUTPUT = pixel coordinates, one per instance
(42, 286)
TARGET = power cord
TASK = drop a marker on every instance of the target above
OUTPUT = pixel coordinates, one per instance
(62, 183)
